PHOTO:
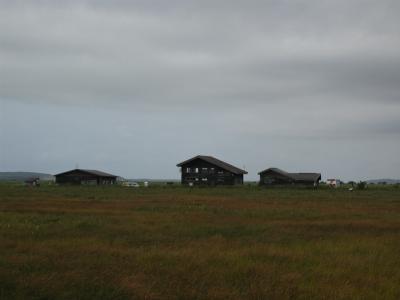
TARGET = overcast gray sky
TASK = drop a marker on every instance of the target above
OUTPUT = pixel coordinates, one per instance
(134, 87)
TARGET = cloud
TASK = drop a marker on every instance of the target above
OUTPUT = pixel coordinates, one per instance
(96, 51)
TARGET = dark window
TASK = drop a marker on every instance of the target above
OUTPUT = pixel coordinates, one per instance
(269, 180)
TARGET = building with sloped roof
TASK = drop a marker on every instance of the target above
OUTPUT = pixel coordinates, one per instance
(85, 177)
(208, 170)
(275, 176)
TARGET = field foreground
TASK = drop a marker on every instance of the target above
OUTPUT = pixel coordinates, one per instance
(177, 243)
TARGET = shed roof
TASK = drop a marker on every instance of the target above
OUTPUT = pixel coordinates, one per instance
(276, 170)
(216, 162)
(306, 176)
(294, 176)
(92, 172)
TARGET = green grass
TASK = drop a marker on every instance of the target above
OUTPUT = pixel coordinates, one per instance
(218, 243)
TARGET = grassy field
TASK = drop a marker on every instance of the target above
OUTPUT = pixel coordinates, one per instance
(177, 243)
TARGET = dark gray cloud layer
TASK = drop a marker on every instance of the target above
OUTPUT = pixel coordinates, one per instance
(298, 84)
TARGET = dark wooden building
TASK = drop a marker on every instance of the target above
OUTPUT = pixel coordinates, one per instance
(207, 170)
(275, 176)
(87, 177)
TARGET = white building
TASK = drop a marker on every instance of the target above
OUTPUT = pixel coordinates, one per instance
(333, 182)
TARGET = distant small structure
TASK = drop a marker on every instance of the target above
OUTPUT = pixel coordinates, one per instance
(208, 170)
(32, 181)
(85, 177)
(129, 183)
(275, 176)
(333, 183)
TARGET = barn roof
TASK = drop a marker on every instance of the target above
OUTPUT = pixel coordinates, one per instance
(92, 172)
(276, 170)
(306, 176)
(294, 176)
(216, 162)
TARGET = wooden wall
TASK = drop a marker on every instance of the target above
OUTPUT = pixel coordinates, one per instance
(200, 172)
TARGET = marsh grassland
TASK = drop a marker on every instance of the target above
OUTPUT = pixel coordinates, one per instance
(217, 243)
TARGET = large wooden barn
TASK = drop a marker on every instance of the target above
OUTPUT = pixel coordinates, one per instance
(86, 177)
(208, 170)
(275, 176)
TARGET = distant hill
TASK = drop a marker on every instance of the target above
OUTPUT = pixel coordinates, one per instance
(22, 176)
(387, 181)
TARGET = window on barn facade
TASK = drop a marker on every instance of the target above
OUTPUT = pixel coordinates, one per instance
(204, 170)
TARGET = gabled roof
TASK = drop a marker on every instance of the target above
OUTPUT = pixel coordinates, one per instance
(306, 176)
(294, 176)
(91, 172)
(216, 162)
(276, 170)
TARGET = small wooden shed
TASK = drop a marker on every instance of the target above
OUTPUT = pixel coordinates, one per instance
(85, 177)
(275, 176)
